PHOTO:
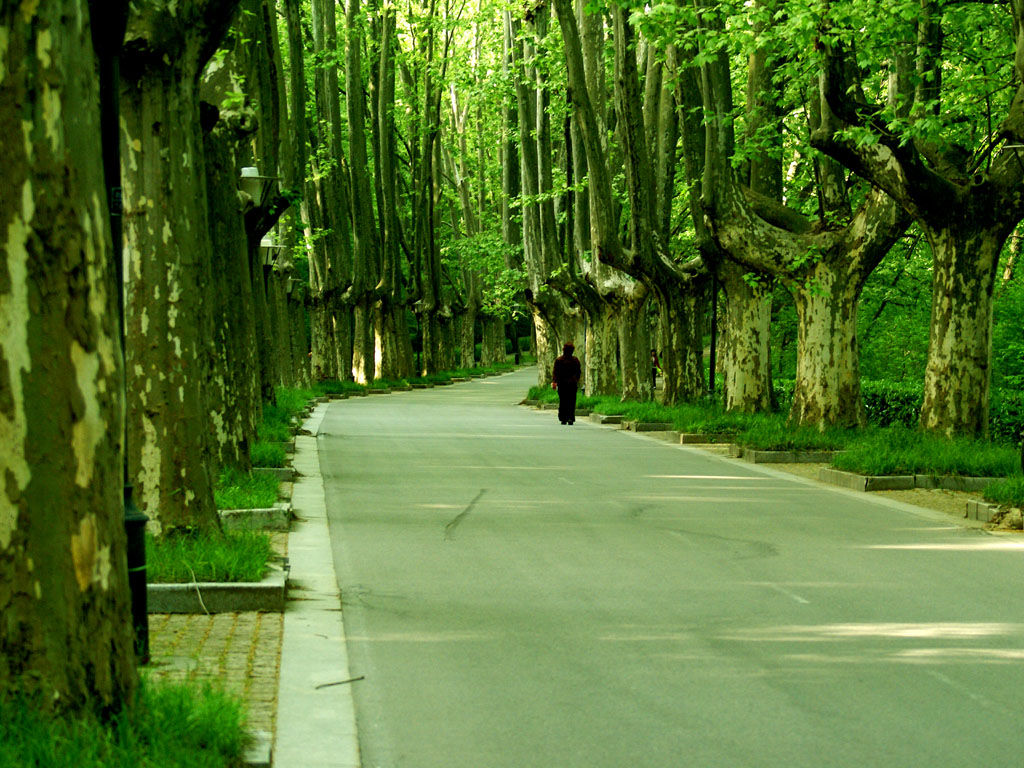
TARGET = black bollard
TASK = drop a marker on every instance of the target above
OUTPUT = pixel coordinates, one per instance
(135, 527)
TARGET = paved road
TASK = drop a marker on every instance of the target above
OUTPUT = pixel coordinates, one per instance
(520, 593)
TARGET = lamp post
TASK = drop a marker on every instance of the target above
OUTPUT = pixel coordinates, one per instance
(258, 187)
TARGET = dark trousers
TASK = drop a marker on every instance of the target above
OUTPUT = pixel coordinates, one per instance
(567, 402)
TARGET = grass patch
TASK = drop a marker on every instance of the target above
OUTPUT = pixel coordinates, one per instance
(1006, 493)
(768, 433)
(904, 451)
(245, 490)
(168, 725)
(266, 454)
(236, 556)
(339, 387)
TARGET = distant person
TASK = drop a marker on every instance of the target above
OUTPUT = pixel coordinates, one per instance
(565, 378)
(655, 368)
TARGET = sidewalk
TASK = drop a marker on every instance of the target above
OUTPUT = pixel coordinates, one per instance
(291, 668)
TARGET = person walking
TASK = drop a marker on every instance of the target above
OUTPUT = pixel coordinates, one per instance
(565, 378)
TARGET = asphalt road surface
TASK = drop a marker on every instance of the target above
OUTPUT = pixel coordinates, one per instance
(525, 594)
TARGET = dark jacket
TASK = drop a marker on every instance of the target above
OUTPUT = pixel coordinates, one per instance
(567, 371)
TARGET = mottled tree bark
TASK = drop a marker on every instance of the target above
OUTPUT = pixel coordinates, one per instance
(966, 213)
(65, 637)
(168, 245)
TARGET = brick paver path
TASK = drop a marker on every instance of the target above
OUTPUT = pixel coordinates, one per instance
(240, 651)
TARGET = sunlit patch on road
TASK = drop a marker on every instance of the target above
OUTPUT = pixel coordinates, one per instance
(999, 545)
(889, 630)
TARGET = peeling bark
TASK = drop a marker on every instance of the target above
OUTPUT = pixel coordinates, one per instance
(65, 638)
(168, 248)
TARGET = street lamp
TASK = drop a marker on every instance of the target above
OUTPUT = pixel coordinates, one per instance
(259, 188)
(269, 252)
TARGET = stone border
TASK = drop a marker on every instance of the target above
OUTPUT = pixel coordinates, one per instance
(220, 597)
(284, 474)
(647, 426)
(980, 510)
(786, 457)
(902, 482)
(258, 749)
(602, 418)
(275, 518)
(702, 438)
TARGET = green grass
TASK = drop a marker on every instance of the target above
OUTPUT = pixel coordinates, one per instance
(168, 725)
(769, 433)
(266, 454)
(339, 387)
(245, 490)
(904, 451)
(1006, 493)
(238, 556)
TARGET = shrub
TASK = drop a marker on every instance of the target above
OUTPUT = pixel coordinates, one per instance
(1006, 493)
(1006, 421)
(169, 724)
(903, 451)
(237, 556)
(888, 403)
(245, 490)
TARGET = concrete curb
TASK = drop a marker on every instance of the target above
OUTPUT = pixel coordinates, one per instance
(866, 482)
(699, 438)
(275, 518)
(316, 725)
(648, 426)
(219, 597)
(284, 474)
(903, 482)
(980, 510)
(258, 750)
(787, 457)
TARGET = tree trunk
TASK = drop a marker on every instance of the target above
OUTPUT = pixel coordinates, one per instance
(957, 377)
(601, 374)
(827, 387)
(682, 347)
(492, 344)
(366, 270)
(65, 637)
(168, 250)
(744, 345)
(235, 380)
(635, 351)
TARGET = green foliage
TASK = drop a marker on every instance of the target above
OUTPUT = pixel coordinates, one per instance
(903, 451)
(235, 556)
(1008, 336)
(245, 490)
(170, 725)
(1006, 493)
(266, 454)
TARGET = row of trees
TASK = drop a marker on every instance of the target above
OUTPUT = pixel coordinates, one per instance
(420, 170)
(767, 142)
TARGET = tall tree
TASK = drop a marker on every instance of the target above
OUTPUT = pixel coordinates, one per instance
(167, 239)
(823, 262)
(65, 638)
(964, 191)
